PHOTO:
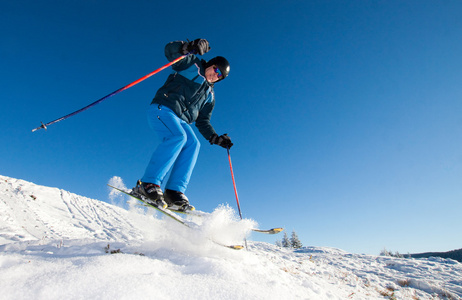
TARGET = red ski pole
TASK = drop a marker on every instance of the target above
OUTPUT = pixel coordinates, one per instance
(234, 184)
(111, 94)
(235, 192)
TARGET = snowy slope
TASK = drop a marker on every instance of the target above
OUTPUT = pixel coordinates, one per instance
(55, 244)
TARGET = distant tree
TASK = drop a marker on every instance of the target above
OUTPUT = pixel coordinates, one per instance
(294, 241)
(285, 241)
(399, 255)
(385, 252)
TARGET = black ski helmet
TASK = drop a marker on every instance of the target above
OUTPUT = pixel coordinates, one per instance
(222, 64)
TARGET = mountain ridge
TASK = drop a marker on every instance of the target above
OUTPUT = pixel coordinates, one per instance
(452, 254)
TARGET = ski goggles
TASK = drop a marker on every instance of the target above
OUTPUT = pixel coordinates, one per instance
(219, 74)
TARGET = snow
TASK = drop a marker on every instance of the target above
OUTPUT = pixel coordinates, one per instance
(55, 244)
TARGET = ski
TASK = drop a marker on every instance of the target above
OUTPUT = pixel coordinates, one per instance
(269, 231)
(174, 217)
(197, 213)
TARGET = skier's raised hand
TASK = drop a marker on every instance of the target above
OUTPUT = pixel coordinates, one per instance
(198, 46)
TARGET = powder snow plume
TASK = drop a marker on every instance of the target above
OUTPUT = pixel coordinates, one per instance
(115, 196)
(223, 222)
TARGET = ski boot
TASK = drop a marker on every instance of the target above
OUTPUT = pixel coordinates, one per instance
(149, 192)
(177, 201)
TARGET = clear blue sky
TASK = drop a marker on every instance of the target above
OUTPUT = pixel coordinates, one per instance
(346, 115)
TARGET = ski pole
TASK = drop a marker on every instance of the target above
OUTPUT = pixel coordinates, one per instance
(235, 192)
(234, 184)
(111, 94)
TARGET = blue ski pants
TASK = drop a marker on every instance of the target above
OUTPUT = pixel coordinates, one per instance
(177, 151)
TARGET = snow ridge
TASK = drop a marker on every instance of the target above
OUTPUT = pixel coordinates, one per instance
(55, 244)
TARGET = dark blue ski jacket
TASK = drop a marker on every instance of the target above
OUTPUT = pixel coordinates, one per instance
(186, 90)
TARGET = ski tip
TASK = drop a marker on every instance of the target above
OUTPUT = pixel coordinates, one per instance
(277, 230)
(269, 231)
(236, 247)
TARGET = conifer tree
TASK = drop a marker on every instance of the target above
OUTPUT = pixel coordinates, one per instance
(294, 241)
(285, 241)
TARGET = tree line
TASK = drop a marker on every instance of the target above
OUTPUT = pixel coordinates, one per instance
(292, 242)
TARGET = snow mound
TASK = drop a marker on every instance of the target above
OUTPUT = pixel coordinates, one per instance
(55, 244)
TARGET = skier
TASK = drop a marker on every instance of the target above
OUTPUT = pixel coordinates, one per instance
(186, 97)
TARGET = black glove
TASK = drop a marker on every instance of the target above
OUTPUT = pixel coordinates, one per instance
(198, 46)
(222, 140)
